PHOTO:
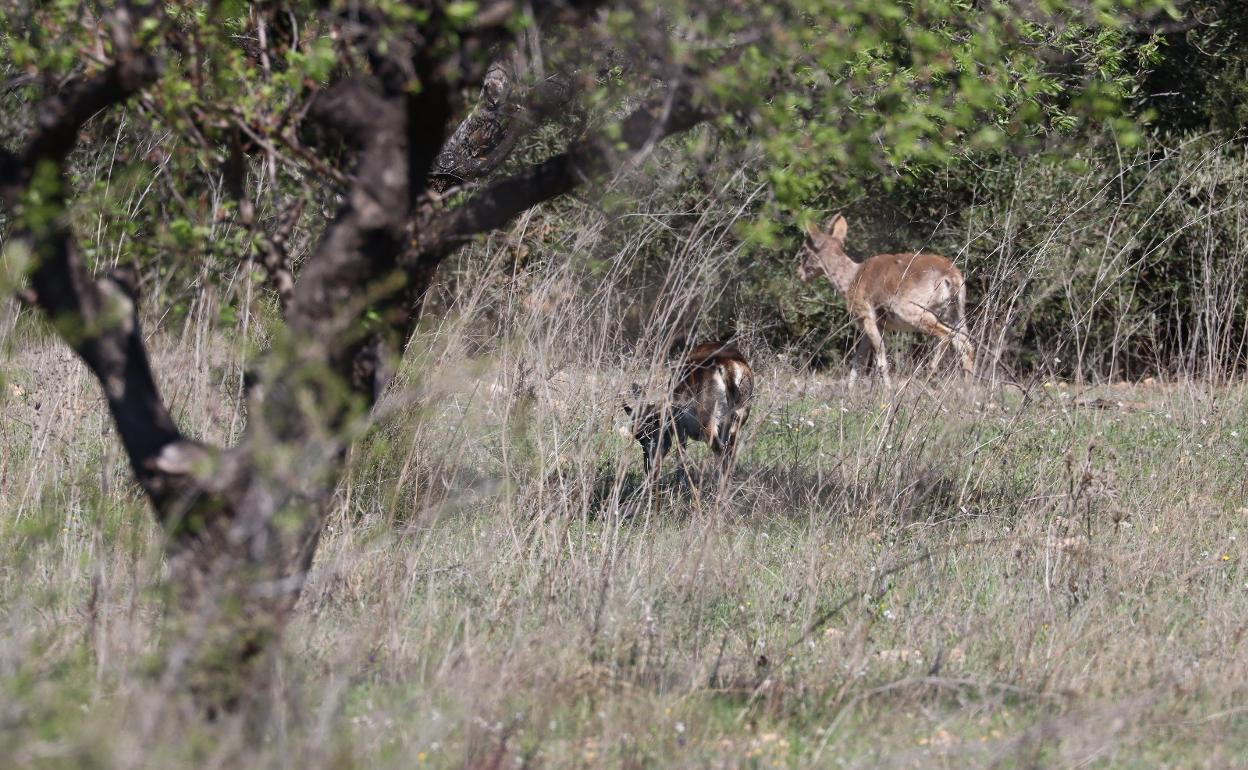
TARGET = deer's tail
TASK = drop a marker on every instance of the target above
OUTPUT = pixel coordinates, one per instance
(739, 384)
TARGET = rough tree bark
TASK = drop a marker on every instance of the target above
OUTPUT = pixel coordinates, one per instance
(243, 523)
(502, 117)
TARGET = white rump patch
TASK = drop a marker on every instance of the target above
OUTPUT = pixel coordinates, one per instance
(721, 399)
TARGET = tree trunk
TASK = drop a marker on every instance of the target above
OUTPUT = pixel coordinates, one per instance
(243, 523)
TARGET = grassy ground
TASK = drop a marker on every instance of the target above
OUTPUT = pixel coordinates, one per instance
(945, 576)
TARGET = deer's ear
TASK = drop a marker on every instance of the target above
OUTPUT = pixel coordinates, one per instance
(812, 229)
(838, 227)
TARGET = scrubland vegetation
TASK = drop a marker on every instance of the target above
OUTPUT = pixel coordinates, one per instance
(438, 549)
(1045, 575)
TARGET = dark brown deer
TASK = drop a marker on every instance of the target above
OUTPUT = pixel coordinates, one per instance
(710, 402)
(914, 292)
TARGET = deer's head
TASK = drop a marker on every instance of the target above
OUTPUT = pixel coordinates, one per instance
(649, 427)
(821, 244)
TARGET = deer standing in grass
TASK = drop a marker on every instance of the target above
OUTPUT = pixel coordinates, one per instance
(892, 292)
(710, 402)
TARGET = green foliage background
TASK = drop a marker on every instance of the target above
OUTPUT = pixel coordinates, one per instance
(966, 128)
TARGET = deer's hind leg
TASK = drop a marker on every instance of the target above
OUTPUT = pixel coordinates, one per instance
(929, 323)
(965, 350)
(726, 445)
(961, 340)
(948, 336)
(871, 328)
(860, 359)
(944, 338)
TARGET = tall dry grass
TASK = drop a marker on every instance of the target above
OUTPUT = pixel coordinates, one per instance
(947, 575)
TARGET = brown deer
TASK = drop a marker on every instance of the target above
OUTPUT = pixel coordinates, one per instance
(892, 292)
(710, 402)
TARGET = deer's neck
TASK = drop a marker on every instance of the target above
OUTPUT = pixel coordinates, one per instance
(839, 268)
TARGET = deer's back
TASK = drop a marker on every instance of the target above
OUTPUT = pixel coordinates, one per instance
(904, 280)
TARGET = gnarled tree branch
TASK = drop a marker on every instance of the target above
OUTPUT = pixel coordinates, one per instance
(587, 159)
(361, 246)
(96, 317)
(484, 139)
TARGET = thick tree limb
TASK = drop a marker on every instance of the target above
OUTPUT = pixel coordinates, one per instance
(589, 158)
(484, 139)
(361, 246)
(97, 318)
(506, 111)
(60, 117)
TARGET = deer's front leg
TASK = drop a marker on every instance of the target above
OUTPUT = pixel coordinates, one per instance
(728, 444)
